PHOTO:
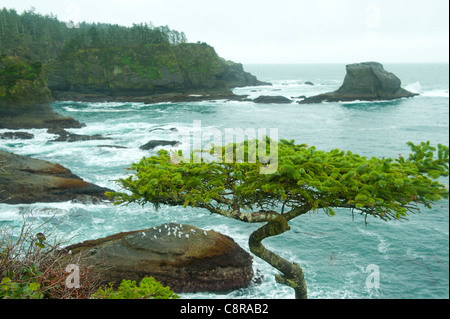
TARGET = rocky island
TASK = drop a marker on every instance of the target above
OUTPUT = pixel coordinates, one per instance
(367, 81)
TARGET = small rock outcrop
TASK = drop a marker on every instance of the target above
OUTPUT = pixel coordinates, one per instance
(366, 81)
(269, 99)
(155, 143)
(183, 257)
(16, 136)
(25, 180)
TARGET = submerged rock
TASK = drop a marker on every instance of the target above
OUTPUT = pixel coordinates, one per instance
(366, 82)
(64, 136)
(272, 99)
(112, 146)
(183, 257)
(172, 129)
(26, 180)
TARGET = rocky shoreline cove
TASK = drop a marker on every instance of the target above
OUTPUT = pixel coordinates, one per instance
(190, 260)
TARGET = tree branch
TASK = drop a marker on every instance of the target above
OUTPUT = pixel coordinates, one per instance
(255, 217)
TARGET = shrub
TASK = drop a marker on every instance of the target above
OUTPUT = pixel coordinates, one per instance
(27, 289)
(148, 288)
(33, 268)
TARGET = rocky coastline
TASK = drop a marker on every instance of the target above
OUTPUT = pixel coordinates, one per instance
(169, 97)
(187, 259)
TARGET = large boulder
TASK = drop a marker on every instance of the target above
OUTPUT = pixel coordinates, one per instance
(183, 257)
(25, 180)
(366, 82)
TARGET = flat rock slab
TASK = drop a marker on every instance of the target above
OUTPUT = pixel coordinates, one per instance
(183, 257)
(272, 99)
(34, 116)
(64, 136)
(25, 180)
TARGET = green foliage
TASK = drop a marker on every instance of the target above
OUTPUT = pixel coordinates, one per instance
(42, 38)
(26, 288)
(148, 288)
(381, 187)
(21, 79)
(17, 290)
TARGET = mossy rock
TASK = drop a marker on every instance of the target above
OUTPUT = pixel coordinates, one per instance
(145, 70)
(22, 82)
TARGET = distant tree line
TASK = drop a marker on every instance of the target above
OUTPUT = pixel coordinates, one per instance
(38, 37)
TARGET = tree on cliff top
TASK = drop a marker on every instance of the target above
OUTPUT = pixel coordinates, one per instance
(306, 180)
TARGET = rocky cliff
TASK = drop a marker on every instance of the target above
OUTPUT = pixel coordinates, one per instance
(145, 70)
(144, 73)
(367, 81)
(24, 96)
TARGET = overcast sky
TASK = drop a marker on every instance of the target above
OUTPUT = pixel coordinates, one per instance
(282, 31)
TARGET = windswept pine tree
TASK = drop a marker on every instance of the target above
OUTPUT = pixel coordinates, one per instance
(306, 180)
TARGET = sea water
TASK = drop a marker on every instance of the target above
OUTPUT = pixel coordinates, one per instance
(342, 257)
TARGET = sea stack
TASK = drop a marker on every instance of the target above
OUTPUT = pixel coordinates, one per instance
(367, 81)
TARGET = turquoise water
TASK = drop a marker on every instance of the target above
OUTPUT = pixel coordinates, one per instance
(412, 256)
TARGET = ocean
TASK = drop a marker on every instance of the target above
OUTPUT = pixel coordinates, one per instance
(340, 255)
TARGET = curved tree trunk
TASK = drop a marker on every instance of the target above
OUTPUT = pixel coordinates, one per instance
(292, 275)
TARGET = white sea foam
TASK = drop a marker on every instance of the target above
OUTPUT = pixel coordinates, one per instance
(436, 93)
(415, 87)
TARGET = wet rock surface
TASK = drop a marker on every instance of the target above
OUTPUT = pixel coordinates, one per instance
(24, 180)
(272, 99)
(183, 257)
(155, 143)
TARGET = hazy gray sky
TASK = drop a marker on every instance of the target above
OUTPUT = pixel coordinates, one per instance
(282, 31)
